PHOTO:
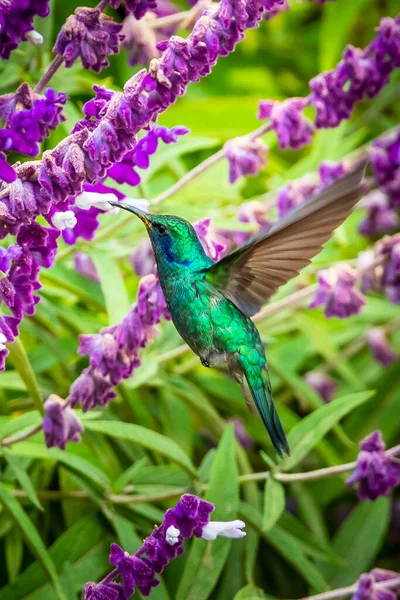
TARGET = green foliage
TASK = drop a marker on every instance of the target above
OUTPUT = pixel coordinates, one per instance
(167, 431)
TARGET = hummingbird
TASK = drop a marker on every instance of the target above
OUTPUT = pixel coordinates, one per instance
(211, 303)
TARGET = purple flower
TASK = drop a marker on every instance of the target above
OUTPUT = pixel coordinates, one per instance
(385, 159)
(389, 250)
(60, 424)
(380, 217)
(274, 8)
(337, 292)
(90, 35)
(28, 119)
(142, 259)
(91, 389)
(292, 129)
(380, 347)
(293, 194)
(376, 472)
(16, 20)
(251, 212)
(330, 171)
(245, 156)
(360, 74)
(324, 385)
(213, 245)
(241, 433)
(367, 589)
(190, 517)
(124, 172)
(84, 265)
(139, 7)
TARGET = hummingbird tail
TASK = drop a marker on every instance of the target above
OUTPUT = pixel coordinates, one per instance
(260, 390)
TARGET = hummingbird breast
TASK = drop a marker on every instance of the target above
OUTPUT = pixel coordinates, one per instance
(208, 322)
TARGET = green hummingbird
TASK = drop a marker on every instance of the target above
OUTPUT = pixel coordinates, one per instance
(211, 303)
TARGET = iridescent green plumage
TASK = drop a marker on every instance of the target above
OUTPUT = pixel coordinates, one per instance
(211, 304)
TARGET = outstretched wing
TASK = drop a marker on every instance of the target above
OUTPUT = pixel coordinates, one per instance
(252, 273)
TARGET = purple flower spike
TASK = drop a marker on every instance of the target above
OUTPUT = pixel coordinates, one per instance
(330, 171)
(241, 433)
(337, 292)
(16, 21)
(274, 8)
(90, 35)
(376, 473)
(293, 194)
(245, 156)
(380, 347)
(380, 217)
(293, 130)
(324, 385)
(385, 159)
(367, 590)
(60, 424)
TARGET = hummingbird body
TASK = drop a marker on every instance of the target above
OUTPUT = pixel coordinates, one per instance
(211, 303)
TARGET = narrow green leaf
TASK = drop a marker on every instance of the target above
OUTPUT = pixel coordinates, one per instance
(288, 546)
(32, 537)
(127, 476)
(22, 477)
(14, 550)
(358, 541)
(250, 592)
(25, 421)
(144, 437)
(207, 559)
(304, 436)
(274, 503)
(21, 362)
(112, 285)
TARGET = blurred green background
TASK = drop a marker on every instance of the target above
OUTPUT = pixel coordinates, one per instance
(322, 536)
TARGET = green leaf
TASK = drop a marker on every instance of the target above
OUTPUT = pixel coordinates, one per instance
(32, 537)
(21, 362)
(144, 437)
(358, 541)
(14, 550)
(73, 461)
(112, 285)
(207, 559)
(251, 592)
(22, 477)
(274, 503)
(25, 421)
(288, 546)
(304, 436)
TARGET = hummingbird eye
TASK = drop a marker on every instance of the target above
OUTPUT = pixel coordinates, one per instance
(162, 230)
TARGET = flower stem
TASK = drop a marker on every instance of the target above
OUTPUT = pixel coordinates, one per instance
(48, 74)
(351, 589)
(20, 359)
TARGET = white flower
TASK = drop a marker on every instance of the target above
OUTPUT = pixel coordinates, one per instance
(86, 200)
(64, 220)
(33, 37)
(172, 535)
(3, 340)
(140, 203)
(229, 529)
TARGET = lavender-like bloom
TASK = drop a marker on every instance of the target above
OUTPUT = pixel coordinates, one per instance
(241, 433)
(338, 293)
(190, 517)
(246, 156)
(274, 8)
(90, 35)
(320, 382)
(28, 119)
(389, 251)
(380, 217)
(141, 40)
(366, 589)
(292, 129)
(293, 194)
(380, 347)
(376, 472)
(360, 74)
(84, 265)
(16, 22)
(124, 172)
(251, 212)
(385, 159)
(60, 424)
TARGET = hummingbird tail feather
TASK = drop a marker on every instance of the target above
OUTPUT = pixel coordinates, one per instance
(260, 390)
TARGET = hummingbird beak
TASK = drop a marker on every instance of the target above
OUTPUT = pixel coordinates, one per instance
(145, 217)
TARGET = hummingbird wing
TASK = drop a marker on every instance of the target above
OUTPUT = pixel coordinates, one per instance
(250, 275)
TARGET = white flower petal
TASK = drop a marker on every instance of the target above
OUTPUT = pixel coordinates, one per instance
(172, 535)
(33, 37)
(230, 529)
(3, 340)
(86, 200)
(140, 203)
(64, 220)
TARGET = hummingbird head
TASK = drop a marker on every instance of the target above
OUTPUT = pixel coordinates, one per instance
(174, 240)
